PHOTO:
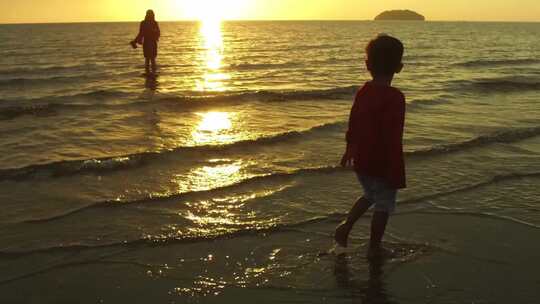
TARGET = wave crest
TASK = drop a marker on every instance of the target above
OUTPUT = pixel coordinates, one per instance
(262, 66)
(499, 85)
(503, 136)
(110, 98)
(271, 228)
(109, 164)
(500, 62)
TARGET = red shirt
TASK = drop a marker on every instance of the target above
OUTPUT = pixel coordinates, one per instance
(376, 127)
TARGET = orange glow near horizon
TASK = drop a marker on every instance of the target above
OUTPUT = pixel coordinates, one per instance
(124, 10)
(212, 11)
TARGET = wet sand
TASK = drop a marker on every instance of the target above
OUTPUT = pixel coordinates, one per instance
(483, 264)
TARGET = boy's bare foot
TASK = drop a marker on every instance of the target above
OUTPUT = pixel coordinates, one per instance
(342, 234)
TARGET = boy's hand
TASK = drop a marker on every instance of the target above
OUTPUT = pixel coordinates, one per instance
(348, 158)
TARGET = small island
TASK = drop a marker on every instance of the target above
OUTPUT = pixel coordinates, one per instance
(400, 15)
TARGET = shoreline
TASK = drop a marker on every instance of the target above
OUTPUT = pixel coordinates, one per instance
(289, 265)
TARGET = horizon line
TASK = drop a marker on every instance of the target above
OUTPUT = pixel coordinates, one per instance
(272, 20)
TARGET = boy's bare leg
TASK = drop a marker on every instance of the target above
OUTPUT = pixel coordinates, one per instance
(147, 65)
(342, 231)
(154, 66)
(378, 226)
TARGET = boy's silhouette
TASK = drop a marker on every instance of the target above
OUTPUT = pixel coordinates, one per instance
(374, 141)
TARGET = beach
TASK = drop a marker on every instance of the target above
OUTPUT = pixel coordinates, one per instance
(218, 180)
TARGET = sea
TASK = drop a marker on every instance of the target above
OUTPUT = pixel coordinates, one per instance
(217, 179)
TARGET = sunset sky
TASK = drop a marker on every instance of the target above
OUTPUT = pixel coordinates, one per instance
(31, 11)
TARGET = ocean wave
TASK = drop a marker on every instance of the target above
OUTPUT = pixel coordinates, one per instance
(47, 70)
(500, 62)
(11, 112)
(260, 179)
(10, 109)
(308, 47)
(60, 100)
(503, 136)
(110, 164)
(110, 98)
(22, 82)
(99, 94)
(262, 66)
(334, 93)
(494, 180)
(162, 241)
(265, 179)
(214, 97)
(498, 85)
(421, 103)
(273, 228)
(332, 60)
(72, 167)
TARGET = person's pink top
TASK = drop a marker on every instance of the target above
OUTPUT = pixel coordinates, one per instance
(376, 126)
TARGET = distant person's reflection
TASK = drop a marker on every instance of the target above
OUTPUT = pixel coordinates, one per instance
(371, 291)
(151, 83)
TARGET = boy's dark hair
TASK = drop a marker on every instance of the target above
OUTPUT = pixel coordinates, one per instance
(384, 55)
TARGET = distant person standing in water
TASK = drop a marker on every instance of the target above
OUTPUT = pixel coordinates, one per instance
(374, 142)
(148, 36)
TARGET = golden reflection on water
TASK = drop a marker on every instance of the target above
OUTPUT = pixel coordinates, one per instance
(216, 173)
(213, 78)
(228, 215)
(214, 128)
(209, 177)
(215, 121)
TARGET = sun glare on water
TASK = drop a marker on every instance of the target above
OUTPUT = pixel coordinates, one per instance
(214, 122)
(214, 128)
(211, 14)
(213, 77)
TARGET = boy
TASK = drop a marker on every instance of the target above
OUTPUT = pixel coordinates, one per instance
(374, 142)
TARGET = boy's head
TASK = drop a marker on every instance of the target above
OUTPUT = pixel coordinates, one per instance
(384, 54)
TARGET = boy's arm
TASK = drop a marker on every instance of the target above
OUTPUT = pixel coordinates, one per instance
(357, 126)
(398, 120)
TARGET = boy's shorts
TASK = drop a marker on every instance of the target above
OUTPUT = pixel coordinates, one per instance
(379, 193)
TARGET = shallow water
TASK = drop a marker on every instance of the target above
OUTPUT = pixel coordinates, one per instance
(218, 178)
